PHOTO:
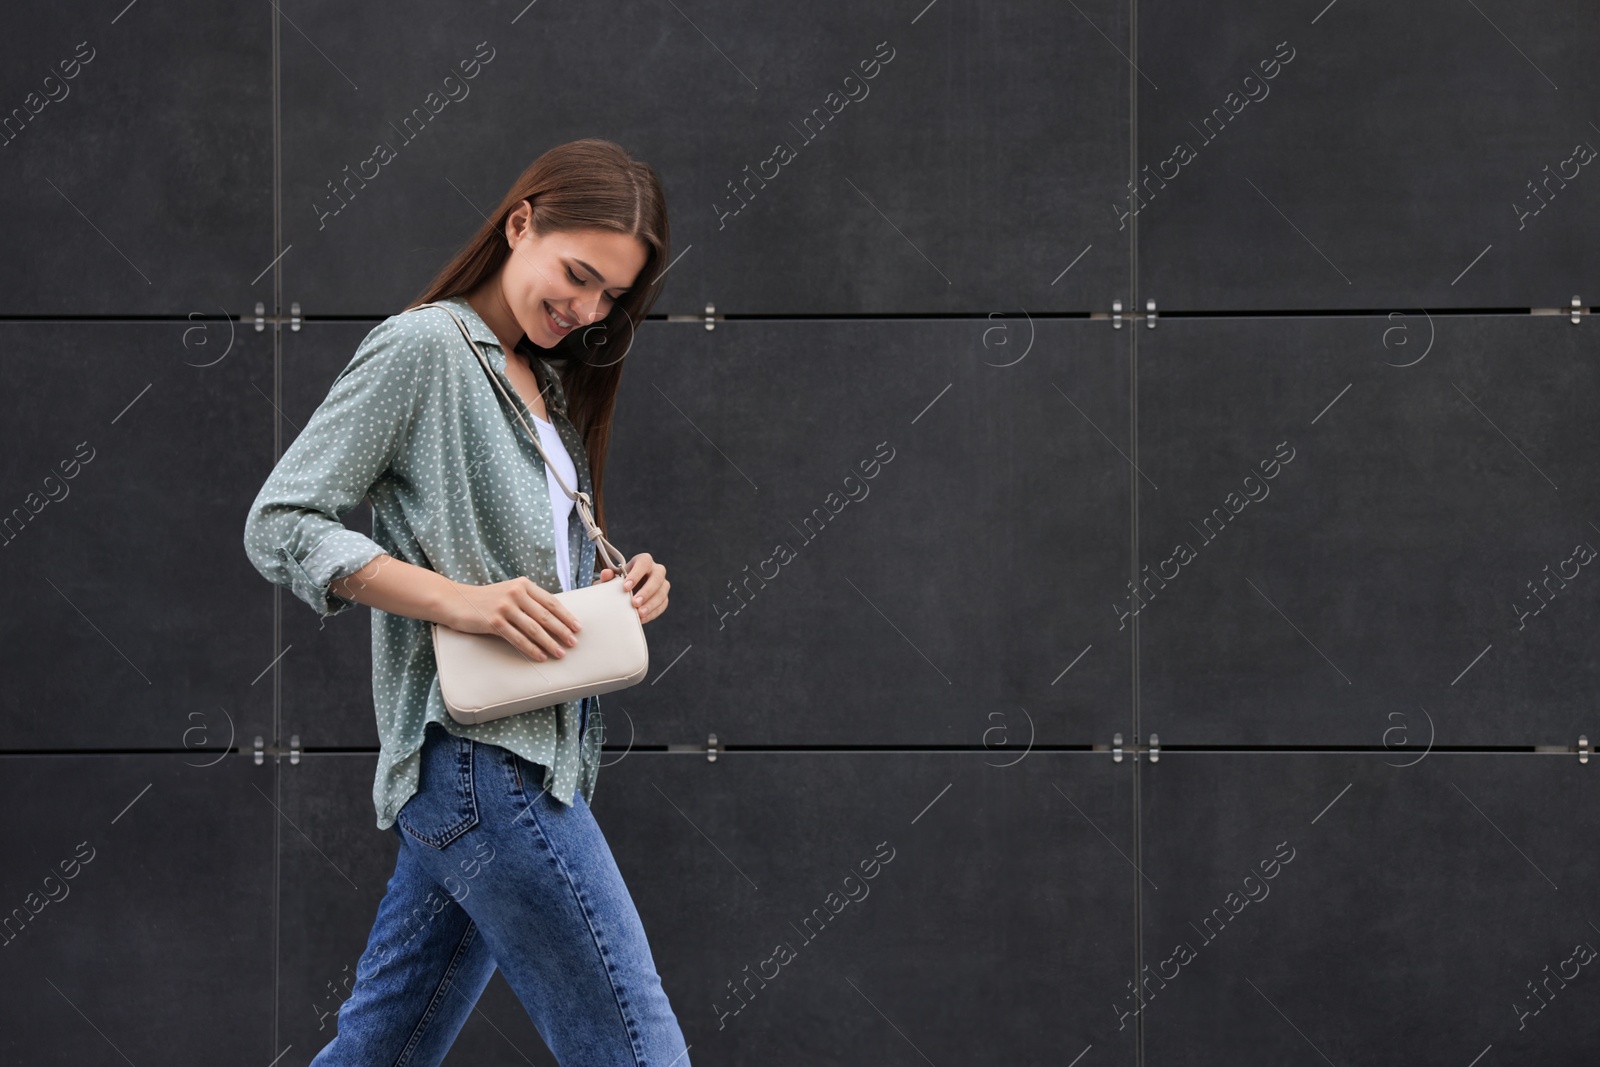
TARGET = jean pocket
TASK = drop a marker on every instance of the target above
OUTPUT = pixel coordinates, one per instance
(445, 805)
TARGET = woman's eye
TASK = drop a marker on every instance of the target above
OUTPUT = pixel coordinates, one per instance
(575, 279)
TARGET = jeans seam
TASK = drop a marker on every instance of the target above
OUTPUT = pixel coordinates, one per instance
(594, 933)
(465, 789)
(516, 771)
(444, 987)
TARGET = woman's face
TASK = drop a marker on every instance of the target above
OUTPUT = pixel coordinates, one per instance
(576, 276)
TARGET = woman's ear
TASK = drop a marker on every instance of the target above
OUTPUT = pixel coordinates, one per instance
(519, 224)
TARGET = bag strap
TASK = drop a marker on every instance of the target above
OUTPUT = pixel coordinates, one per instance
(584, 505)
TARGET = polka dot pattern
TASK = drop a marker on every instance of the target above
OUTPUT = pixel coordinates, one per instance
(413, 424)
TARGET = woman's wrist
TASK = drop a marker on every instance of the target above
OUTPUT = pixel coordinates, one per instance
(448, 603)
(402, 588)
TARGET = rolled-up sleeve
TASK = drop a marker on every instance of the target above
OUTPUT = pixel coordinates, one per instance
(294, 534)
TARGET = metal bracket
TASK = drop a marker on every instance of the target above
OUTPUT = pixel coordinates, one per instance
(1118, 748)
(1581, 748)
(262, 750)
(295, 319)
(711, 748)
(1150, 312)
(1576, 312)
(709, 319)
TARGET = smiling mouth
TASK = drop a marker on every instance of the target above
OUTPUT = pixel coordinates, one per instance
(555, 322)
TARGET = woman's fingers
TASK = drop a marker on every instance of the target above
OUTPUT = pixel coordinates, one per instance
(517, 639)
(557, 612)
(646, 583)
(541, 622)
(645, 578)
(651, 597)
(650, 609)
(640, 571)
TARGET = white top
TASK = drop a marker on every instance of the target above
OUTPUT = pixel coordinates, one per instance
(560, 503)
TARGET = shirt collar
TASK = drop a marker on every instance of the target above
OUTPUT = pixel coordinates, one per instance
(478, 330)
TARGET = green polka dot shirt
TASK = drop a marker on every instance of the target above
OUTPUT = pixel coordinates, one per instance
(414, 425)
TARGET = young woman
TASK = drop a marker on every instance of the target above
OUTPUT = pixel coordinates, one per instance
(501, 862)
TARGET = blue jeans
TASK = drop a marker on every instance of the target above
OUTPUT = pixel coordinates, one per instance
(493, 871)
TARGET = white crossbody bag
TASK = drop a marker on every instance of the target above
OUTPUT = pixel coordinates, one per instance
(484, 677)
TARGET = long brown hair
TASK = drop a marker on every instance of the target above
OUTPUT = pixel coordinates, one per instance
(581, 185)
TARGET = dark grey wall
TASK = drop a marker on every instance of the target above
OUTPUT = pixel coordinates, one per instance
(1237, 302)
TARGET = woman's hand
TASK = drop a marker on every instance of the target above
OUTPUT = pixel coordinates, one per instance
(648, 581)
(528, 616)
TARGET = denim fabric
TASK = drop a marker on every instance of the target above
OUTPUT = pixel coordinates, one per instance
(494, 871)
